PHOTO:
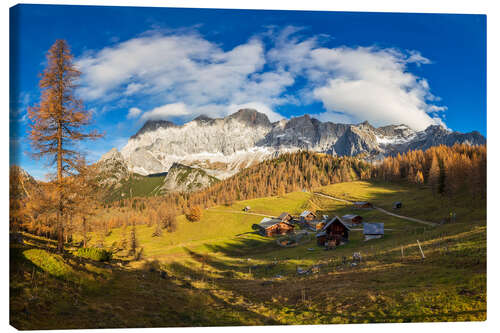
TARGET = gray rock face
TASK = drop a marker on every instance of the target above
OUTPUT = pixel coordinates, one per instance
(223, 146)
(182, 178)
(112, 168)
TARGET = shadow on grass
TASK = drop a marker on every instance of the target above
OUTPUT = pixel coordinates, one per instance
(41, 300)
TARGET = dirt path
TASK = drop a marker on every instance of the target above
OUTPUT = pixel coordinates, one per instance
(382, 210)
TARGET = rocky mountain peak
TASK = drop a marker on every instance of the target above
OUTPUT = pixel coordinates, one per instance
(153, 125)
(251, 117)
(222, 147)
(202, 118)
(113, 154)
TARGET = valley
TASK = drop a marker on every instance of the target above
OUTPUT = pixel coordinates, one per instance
(242, 278)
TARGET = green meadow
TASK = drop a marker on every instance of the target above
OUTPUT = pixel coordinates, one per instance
(218, 271)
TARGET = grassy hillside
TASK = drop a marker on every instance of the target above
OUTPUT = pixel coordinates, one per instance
(141, 186)
(219, 272)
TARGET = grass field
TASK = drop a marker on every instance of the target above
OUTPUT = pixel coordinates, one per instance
(219, 272)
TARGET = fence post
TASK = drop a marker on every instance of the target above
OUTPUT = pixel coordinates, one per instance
(422, 252)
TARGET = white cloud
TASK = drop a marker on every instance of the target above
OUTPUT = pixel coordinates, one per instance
(188, 75)
(166, 111)
(372, 84)
(133, 113)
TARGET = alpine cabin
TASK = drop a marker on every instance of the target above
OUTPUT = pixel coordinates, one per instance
(285, 217)
(272, 227)
(335, 232)
(373, 230)
(352, 219)
(362, 205)
(307, 216)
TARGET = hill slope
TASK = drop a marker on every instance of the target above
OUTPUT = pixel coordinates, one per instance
(219, 272)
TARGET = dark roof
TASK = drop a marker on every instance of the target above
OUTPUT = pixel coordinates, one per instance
(268, 222)
(306, 212)
(283, 215)
(373, 228)
(350, 216)
(319, 234)
(333, 220)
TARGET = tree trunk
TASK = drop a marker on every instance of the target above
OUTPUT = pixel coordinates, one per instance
(84, 232)
(60, 230)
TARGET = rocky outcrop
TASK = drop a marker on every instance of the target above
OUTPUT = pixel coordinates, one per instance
(223, 146)
(112, 168)
(182, 178)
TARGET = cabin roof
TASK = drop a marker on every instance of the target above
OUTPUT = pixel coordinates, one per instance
(350, 216)
(320, 234)
(333, 220)
(283, 215)
(267, 222)
(373, 228)
(306, 212)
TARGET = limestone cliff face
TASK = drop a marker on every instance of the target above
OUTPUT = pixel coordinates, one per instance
(221, 147)
(182, 178)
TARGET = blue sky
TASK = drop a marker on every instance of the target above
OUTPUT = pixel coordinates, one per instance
(165, 63)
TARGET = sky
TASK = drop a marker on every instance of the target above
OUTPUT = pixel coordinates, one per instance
(142, 63)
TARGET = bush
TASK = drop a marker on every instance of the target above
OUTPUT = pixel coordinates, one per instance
(94, 253)
(194, 214)
(169, 221)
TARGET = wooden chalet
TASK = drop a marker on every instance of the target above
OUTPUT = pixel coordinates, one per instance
(285, 217)
(272, 227)
(307, 216)
(352, 219)
(397, 205)
(362, 205)
(334, 232)
(373, 230)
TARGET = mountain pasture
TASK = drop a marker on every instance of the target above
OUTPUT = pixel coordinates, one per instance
(218, 271)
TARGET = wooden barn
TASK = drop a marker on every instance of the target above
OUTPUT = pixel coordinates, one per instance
(373, 230)
(272, 227)
(335, 232)
(307, 216)
(285, 217)
(352, 219)
(362, 205)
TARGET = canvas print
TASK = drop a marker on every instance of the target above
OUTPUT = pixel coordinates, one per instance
(217, 167)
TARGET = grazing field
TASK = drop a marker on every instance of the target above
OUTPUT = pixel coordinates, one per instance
(217, 271)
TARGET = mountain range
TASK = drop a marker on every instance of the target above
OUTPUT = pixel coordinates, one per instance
(223, 146)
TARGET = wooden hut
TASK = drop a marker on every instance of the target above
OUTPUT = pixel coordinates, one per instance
(352, 219)
(373, 230)
(272, 227)
(362, 205)
(307, 216)
(397, 205)
(285, 217)
(334, 232)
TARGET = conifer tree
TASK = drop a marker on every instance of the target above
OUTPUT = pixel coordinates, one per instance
(58, 121)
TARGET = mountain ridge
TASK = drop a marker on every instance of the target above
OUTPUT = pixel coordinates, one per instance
(223, 146)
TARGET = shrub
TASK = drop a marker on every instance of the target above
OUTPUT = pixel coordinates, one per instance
(194, 214)
(94, 253)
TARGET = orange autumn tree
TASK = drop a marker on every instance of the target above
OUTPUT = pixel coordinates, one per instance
(58, 121)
